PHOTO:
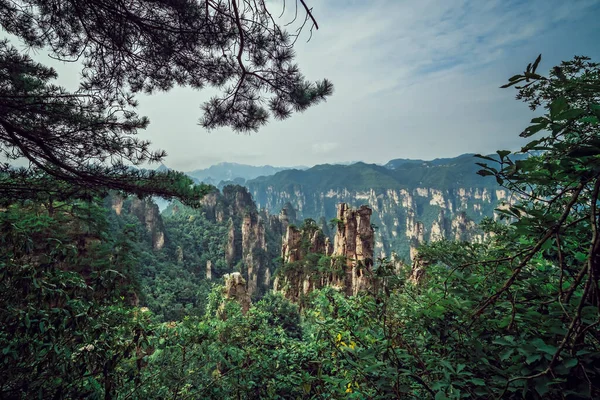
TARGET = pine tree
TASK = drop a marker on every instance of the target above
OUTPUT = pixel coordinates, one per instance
(86, 138)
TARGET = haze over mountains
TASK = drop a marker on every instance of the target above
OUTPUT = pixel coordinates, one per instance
(234, 172)
(240, 173)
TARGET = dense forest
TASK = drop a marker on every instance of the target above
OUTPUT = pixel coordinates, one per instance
(102, 296)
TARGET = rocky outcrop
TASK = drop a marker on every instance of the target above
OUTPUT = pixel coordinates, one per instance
(254, 247)
(147, 213)
(236, 289)
(463, 228)
(348, 267)
(247, 237)
(232, 249)
(438, 229)
(354, 241)
(117, 204)
(418, 270)
(405, 217)
(208, 270)
(211, 207)
(278, 223)
(291, 250)
(246, 248)
(297, 243)
(233, 201)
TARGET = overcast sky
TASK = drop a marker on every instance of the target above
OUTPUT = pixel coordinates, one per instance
(413, 79)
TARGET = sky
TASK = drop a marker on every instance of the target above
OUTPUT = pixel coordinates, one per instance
(413, 79)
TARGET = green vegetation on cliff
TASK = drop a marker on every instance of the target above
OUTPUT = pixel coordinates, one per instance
(451, 173)
(404, 193)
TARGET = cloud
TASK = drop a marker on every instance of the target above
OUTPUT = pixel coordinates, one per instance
(322, 148)
(386, 42)
(412, 79)
(420, 79)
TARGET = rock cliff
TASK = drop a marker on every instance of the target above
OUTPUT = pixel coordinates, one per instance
(310, 261)
(147, 213)
(354, 242)
(236, 289)
(298, 242)
(411, 204)
(247, 248)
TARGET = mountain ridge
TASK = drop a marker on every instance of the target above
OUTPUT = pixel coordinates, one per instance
(413, 201)
(233, 172)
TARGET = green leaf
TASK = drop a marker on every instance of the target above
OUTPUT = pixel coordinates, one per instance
(590, 120)
(441, 396)
(503, 153)
(506, 354)
(570, 363)
(584, 152)
(478, 381)
(547, 348)
(557, 106)
(542, 386)
(547, 245)
(487, 167)
(530, 146)
(514, 78)
(533, 358)
(589, 314)
(536, 63)
(569, 114)
(533, 129)
(504, 340)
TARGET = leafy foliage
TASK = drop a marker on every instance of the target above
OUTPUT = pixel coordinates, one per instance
(65, 136)
(66, 330)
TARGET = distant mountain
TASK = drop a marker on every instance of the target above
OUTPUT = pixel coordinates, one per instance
(396, 174)
(233, 172)
(412, 200)
(400, 162)
(224, 174)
